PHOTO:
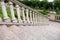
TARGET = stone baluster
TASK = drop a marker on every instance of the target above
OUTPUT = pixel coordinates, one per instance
(45, 19)
(18, 13)
(23, 9)
(33, 17)
(12, 12)
(36, 17)
(55, 17)
(6, 18)
(30, 16)
(27, 14)
(39, 17)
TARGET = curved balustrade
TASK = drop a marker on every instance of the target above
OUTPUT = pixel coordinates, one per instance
(24, 14)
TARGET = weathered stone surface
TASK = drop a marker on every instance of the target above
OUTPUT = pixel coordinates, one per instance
(42, 32)
(6, 34)
(16, 30)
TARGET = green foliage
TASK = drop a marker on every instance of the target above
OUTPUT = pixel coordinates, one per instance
(1, 15)
(8, 12)
(43, 5)
(38, 4)
(6, 0)
(45, 12)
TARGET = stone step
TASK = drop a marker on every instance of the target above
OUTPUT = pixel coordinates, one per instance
(49, 32)
(43, 32)
(15, 29)
(6, 34)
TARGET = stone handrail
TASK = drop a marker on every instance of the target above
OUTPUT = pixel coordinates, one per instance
(29, 15)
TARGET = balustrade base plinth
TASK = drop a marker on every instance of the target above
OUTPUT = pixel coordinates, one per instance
(14, 21)
(7, 20)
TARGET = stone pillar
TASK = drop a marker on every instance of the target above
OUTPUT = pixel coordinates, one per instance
(6, 18)
(18, 13)
(27, 14)
(23, 14)
(39, 18)
(52, 15)
(33, 17)
(12, 12)
(30, 16)
(36, 17)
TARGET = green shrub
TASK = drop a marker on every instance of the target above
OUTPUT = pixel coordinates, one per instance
(45, 12)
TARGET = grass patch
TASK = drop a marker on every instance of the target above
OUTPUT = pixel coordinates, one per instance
(44, 12)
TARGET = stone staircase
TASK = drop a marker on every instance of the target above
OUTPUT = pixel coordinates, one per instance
(42, 32)
(32, 26)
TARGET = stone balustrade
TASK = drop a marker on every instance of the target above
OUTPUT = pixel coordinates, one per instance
(57, 17)
(29, 15)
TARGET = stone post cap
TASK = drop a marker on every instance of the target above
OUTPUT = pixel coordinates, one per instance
(52, 12)
(10, 3)
(17, 6)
